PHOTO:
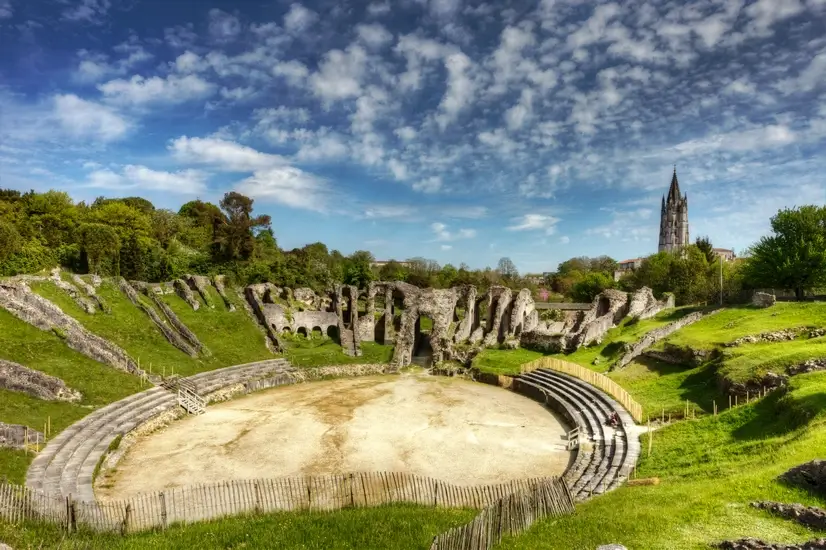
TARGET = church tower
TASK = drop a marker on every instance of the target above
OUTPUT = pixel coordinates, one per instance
(674, 219)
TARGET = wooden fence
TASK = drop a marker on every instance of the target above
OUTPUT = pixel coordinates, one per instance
(512, 514)
(594, 378)
(206, 502)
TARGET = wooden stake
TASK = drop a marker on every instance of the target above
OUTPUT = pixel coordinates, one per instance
(650, 437)
(729, 401)
(735, 400)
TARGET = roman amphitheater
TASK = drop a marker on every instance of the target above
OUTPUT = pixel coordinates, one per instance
(217, 443)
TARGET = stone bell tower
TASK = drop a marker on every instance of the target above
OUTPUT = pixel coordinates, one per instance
(674, 219)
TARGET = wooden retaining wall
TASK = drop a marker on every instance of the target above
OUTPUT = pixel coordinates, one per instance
(232, 498)
(594, 378)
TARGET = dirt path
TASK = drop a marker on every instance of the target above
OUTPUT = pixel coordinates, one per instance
(458, 431)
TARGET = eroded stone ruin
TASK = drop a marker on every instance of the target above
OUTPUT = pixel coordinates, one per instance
(461, 320)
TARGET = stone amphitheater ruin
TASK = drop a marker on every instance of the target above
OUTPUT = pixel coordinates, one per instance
(463, 322)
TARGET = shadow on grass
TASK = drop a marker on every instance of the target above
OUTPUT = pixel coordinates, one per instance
(780, 413)
(699, 386)
(612, 350)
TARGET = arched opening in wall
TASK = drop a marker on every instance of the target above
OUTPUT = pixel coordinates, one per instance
(603, 306)
(332, 332)
(491, 314)
(478, 313)
(422, 348)
(378, 304)
(362, 303)
(345, 306)
(286, 330)
(302, 331)
(378, 327)
(317, 333)
(397, 308)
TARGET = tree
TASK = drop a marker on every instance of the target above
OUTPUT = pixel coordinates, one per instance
(234, 235)
(9, 240)
(795, 256)
(605, 264)
(704, 244)
(393, 271)
(102, 247)
(586, 289)
(357, 270)
(507, 269)
(447, 276)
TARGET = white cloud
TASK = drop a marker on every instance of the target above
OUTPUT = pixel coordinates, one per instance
(299, 19)
(469, 212)
(223, 27)
(564, 239)
(224, 155)
(94, 67)
(765, 13)
(406, 133)
(287, 185)
(460, 88)
(446, 247)
(428, 185)
(180, 36)
(90, 11)
(139, 91)
(775, 135)
(377, 9)
(444, 8)
(89, 120)
(389, 211)
(6, 10)
(374, 35)
(442, 233)
(340, 73)
(293, 71)
(186, 182)
(534, 222)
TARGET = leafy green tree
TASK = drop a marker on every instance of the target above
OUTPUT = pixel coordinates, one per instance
(447, 276)
(705, 246)
(507, 269)
(10, 241)
(357, 270)
(587, 288)
(101, 245)
(794, 256)
(393, 271)
(234, 235)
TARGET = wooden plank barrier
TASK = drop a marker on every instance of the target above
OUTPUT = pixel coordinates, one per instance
(512, 513)
(594, 378)
(182, 505)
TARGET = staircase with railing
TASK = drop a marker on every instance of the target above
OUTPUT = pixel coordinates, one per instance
(189, 400)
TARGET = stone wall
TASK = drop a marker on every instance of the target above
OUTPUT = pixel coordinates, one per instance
(16, 377)
(14, 436)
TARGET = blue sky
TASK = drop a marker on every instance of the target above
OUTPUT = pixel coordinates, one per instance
(457, 130)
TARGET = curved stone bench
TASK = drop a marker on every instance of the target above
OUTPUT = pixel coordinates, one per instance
(205, 383)
(615, 452)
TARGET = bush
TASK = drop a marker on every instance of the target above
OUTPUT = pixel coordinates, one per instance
(31, 258)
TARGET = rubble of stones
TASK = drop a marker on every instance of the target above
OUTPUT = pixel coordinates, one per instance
(15, 377)
(768, 382)
(757, 544)
(15, 436)
(763, 299)
(810, 516)
(810, 476)
(810, 365)
(774, 336)
(677, 355)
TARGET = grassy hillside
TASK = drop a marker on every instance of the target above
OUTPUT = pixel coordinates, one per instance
(397, 527)
(231, 337)
(46, 352)
(710, 469)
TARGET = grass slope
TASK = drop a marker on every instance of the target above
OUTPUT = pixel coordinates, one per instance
(231, 337)
(322, 351)
(46, 352)
(711, 468)
(398, 527)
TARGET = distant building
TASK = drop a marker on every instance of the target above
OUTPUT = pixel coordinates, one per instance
(674, 219)
(625, 266)
(727, 254)
(534, 279)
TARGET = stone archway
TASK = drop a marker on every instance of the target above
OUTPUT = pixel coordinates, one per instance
(302, 331)
(317, 333)
(332, 332)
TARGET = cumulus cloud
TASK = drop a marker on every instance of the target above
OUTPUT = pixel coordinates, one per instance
(287, 185)
(534, 222)
(374, 35)
(339, 74)
(89, 120)
(389, 211)
(185, 182)
(89, 11)
(223, 27)
(299, 19)
(428, 185)
(139, 91)
(442, 233)
(222, 154)
(6, 10)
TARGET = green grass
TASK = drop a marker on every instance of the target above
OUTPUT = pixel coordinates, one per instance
(504, 361)
(320, 352)
(752, 361)
(48, 353)
(232, 338)
(710, 469)
(730, 324)
(13, 465)
(397, 527)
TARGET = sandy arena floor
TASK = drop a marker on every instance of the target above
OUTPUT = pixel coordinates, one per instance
(454, 430)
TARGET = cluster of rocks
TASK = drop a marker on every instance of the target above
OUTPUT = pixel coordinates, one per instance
(15, 436)
(810, 476)
(775, 336)
(763, 299)
(810, 365)
(810, 516)
(817, 332)
(15, 377)
(678, 355)
(768, 382)
(74, 293)
(757, 544)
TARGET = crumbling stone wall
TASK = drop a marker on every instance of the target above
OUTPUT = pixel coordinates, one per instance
(16, 377)
(73, 292)
(253, 294)
(173, 337)
(185, 292)
(175, 321)
(763, 299)
(20, 301)
(218, 282)
(200, 284)
(14, 436)
(91, 291)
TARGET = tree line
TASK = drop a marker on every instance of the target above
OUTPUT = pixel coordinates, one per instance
(132, 238)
